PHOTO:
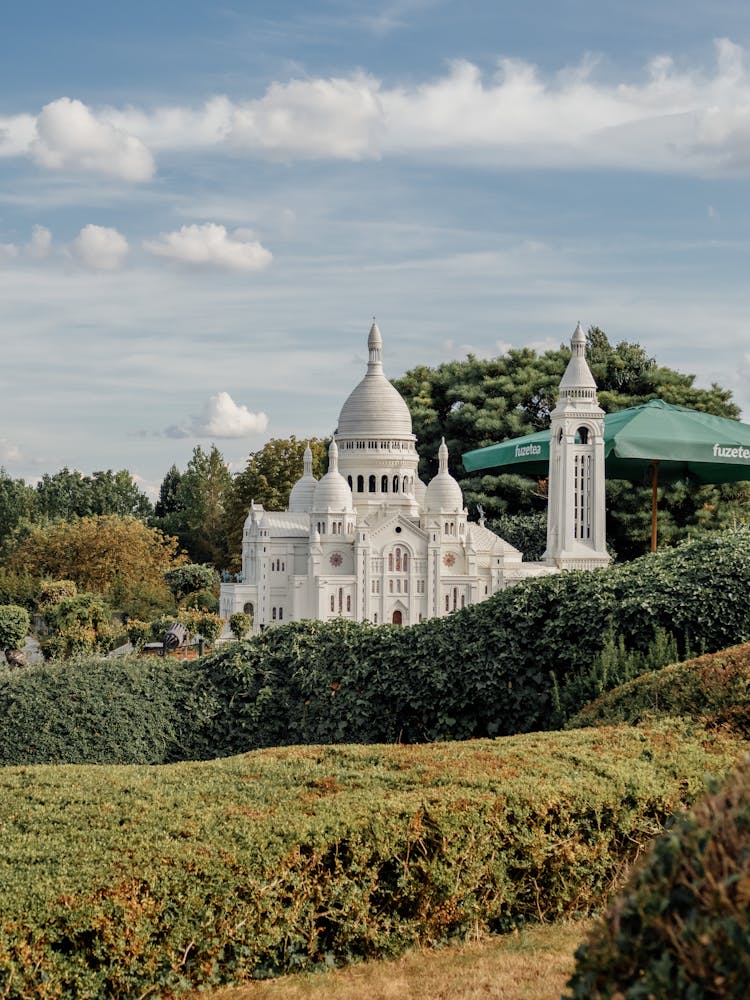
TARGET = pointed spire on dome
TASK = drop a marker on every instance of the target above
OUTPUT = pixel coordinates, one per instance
(577, 381)
(307, 461)
(578, 341)
(443, 456)
(333, 456)
(375, 348)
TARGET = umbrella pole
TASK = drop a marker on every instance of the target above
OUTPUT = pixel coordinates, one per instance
(654, 498)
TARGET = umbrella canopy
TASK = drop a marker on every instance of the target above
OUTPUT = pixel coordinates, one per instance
(642, 444)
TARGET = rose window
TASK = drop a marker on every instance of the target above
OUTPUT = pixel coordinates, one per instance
(449, 559)
(336, 559)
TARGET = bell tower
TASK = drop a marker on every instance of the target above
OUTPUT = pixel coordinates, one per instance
(576, 531)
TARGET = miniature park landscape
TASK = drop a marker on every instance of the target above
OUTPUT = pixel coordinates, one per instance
(337, 793)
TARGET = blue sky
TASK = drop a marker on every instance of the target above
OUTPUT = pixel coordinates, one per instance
(203, 204)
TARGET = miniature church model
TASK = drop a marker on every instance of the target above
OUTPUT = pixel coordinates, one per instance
(370, 541)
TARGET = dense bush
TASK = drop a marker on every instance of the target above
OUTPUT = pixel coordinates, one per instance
(713, 689)
(205, 873)
(14, 626)
(681, 928)
(94, 710)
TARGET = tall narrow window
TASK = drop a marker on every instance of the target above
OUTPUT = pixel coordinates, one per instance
(447, 603)
(406, 562)
(384, 484)
(349, 480)
(395, 484)
(372, 484)
(348, 602)
(360, 484)
(390, 562)
(405, 488)
(281, 614)
(333, 603)
(398, 560)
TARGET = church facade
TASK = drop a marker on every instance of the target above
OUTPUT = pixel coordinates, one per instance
(370, 541)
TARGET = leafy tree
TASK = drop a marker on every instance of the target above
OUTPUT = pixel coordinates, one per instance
(79, 624)
(14, 627)
(477, 402)
(268, 479)
(198, 517)
(168, 502)
(240, 624)
(18, 502)
(117, 557)
(190, 578)
(68, 493)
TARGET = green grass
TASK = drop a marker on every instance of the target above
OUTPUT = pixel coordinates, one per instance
(118, 880)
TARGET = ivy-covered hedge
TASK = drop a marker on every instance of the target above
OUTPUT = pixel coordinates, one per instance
(504, 666)
(712, 689)
(94, 710)
(681, 928)
(131, 881)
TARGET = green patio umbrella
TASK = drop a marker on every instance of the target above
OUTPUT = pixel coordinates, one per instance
(653, 442)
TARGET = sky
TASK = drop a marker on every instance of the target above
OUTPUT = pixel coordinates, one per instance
(204, 203)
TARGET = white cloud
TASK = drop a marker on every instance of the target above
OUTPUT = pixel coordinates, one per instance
(211, 244)
(69, 136)
(221, 417)
(100, 248)
(8, 251)
(9, 452)
(40, 245)
(16, 134)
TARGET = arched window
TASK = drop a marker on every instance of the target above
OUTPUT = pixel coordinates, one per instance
(390, 562)
(384, 484)
(333, 603)
(447, 603)
(341, 598)
(273, 614)
(349, 480)
(249, 609)
(463, 600)
(583, 435)
(395, 484)
(405, 487)
(455, 598)
(360, 484)
(398, 560)
(372, 484)
(390, 586)
(281, 614)
(406, 562)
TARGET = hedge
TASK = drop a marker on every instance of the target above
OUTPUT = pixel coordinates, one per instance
(94, 710)
(712, 689)
(198, 874)
(681, 928)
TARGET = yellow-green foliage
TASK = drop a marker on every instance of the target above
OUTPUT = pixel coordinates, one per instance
(116, 881)
(681, 928)
(713, 689)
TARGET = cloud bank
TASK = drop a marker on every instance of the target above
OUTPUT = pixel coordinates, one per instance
(672, 119)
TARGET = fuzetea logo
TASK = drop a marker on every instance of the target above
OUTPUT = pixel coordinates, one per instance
(522, 450)
(721, 451)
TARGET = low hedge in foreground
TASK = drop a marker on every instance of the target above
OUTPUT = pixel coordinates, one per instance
(712, 689)
(681, 928)
(119, 881)
(97, 710)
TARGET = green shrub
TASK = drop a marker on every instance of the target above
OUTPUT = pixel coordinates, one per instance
(198, 874)
(190, 578)
(18, 588)
(203, 600)
(681, 927)
(51, 592)
(94, 710)
(14, 626)
(240, 624)
(713, 689)
(79, 624)
(138, 632)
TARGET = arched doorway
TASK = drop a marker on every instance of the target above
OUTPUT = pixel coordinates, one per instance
(397, 617)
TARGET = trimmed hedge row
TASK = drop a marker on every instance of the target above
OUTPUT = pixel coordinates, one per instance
(204, 873)
(93, 710)
(681, 928)
(497, 668)
(712, 689)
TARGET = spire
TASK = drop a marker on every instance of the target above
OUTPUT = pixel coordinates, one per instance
(443, 457)
(578, 341)
(375, 348)
(577, 382)
(333, 457)
(307, 461)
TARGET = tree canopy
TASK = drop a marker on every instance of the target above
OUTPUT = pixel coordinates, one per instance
(68, 493)
(119, 558)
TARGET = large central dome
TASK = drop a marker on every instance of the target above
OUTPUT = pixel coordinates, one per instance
(374, 407)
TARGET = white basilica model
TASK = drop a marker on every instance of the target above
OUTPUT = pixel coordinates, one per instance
(369, 541)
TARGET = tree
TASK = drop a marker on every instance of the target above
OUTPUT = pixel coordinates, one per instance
(199, 506)
(18, 502)
(240, 624)
(477, 402)
(268, 479)
(167, 502)
(118, 558)
(14, 627)
(68, 493)
(79, 624)
(191, 578)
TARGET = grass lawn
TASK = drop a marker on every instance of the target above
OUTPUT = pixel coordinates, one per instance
(533, 964)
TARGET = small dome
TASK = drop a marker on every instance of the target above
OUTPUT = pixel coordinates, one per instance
(578, 374)
(303, 491)
(374, 407)
(443, 494)
(332, 491)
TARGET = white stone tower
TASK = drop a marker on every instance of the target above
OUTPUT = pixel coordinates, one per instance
(576, 531)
